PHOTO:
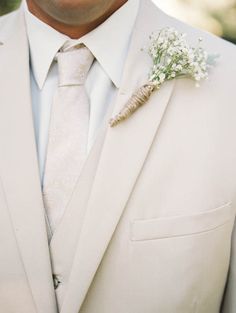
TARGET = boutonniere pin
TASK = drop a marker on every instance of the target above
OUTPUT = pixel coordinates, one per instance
(172, 58)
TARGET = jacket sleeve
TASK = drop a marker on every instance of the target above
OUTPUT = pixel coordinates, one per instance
(229, 299)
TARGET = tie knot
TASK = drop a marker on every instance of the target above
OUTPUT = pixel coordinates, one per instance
(74, 65)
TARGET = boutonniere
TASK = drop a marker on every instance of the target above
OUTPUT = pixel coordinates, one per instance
(172, 58)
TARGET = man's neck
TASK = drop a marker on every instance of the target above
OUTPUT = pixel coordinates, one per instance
(74, 32)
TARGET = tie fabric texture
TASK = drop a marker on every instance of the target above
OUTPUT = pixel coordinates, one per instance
(68, 133)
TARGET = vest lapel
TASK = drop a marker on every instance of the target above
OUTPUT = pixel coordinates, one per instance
(124, 152)
(19, 165)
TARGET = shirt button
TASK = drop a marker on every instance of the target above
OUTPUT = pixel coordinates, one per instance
(56, 281)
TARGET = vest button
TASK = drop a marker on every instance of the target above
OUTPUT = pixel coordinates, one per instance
(56, 281)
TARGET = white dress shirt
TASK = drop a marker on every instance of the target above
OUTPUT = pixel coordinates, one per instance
(109, 43)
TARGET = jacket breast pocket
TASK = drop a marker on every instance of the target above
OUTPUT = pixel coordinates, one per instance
(167, 227)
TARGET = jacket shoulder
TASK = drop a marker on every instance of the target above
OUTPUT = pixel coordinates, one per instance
(7, 18)
(211, 42)
(7, 22)
(157, 18)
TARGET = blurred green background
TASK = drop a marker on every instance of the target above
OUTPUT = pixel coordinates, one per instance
(8, 5)
(216, 16)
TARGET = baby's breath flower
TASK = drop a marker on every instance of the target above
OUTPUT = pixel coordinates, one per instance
(174, 58)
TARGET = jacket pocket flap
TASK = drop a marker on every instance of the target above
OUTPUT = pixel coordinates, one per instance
(159, 228)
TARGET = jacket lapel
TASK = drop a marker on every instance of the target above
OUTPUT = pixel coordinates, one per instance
(19, 165)
(124, 152)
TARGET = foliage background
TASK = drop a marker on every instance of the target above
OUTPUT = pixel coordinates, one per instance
(216, 16)
(8, 5)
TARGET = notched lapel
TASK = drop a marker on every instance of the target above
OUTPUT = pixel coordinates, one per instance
(124, 152)
(19, 165)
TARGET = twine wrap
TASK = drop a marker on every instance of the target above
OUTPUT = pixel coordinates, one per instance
(139, 98)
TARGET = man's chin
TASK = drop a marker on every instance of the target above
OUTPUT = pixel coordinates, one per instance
(71, 13)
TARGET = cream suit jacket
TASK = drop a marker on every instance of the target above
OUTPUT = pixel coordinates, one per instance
(149, 226)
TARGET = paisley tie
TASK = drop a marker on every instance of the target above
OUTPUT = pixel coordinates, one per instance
(68, 133)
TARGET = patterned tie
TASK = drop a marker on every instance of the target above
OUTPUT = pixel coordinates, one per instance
(66, 151)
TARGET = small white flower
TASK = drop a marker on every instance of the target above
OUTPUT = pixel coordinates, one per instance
(173, 57)
(162, 77)
(179, 67)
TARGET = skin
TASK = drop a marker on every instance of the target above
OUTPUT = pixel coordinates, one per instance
(74, 18)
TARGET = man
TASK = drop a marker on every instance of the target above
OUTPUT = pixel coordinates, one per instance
(132, 219)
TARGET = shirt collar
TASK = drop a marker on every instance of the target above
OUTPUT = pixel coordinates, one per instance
(108, 42)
